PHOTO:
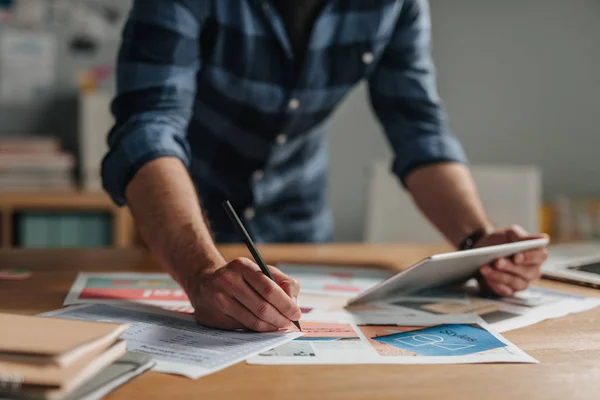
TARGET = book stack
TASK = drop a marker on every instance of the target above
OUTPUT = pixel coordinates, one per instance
(34, 163)
(49, 358)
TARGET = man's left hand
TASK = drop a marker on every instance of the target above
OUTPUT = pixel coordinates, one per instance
(505, 276)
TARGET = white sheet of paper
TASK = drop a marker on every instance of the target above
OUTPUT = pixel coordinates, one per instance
(27, 66)
(529, 307)
(177, 343)
(391, 339)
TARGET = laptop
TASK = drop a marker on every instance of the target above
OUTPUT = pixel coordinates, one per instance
(577, 263)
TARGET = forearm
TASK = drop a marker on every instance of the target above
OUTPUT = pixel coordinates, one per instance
(448, 197)
(167, 211)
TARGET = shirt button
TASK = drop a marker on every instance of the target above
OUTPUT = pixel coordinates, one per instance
(281, 139)
(294, 104)
(258, 175)
(367, 58)
(250, 213)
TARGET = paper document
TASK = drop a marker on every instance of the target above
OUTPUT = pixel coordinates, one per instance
(390, 339)
(321, 289)
(528, 307)
(175, 341)
(125, 288)
(334, 280)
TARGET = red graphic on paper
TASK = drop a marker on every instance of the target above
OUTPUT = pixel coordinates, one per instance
(134, 294)
(342, 274)
(123, 283)
(341, 288)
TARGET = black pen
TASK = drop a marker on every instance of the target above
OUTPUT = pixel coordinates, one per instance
(250, 244)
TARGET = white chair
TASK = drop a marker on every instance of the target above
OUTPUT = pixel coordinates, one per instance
(510, 194)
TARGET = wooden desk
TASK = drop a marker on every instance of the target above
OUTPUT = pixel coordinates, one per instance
(568, 348)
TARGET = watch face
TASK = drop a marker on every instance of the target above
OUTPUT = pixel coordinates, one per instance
(468, 244)
(472, 239)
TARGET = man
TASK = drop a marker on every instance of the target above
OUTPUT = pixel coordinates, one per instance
(231, 95)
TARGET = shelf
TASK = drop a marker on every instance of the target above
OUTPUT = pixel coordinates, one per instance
(14, 202)
(75, 199)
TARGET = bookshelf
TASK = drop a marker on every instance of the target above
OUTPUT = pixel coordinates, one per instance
(15, 204)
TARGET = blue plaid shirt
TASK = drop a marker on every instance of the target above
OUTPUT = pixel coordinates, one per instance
(216, 84)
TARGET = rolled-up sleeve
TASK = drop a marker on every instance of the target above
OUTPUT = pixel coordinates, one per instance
(405, 99)
(156, 85)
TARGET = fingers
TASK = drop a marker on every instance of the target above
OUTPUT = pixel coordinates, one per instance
(527, 272)
(217, 320)
(287, 283)
(496, 278)
(516, 233)
(244, 282)
(495, 288)
(500, 289)
(254, 302)
(232, 283)
(273, 294)
(532, 257)
(235, 310)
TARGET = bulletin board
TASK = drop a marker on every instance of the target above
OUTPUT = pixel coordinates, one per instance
(45, 46)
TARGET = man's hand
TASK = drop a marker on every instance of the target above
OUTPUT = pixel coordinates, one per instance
(506, 276)
(239, 296)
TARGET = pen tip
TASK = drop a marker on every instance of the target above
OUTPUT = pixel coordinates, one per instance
(297, 325)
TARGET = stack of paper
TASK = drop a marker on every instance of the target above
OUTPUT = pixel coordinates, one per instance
(49, 358)
(175, 341)
(388, 338)
(439, 326)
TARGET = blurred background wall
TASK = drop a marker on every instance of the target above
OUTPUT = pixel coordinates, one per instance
(519, 79)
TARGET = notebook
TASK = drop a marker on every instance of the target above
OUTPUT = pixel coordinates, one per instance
(43, 340)
(118, 373)
(54, 382)
(123, 370)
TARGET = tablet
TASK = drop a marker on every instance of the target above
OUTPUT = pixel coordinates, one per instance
(443, 269)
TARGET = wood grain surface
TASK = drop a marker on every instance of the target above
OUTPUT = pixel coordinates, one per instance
(568, 348)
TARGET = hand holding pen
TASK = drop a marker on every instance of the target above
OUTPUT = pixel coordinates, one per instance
(239, 295)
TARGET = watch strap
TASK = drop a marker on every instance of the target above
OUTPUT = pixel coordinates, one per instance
(470, 241)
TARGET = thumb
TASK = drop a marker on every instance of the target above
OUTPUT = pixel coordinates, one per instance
(517, 234)
(286, 282)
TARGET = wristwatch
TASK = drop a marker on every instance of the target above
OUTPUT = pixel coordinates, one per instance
(470, 241)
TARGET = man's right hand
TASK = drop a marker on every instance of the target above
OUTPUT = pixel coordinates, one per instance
(234, 295)
(239, 296)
